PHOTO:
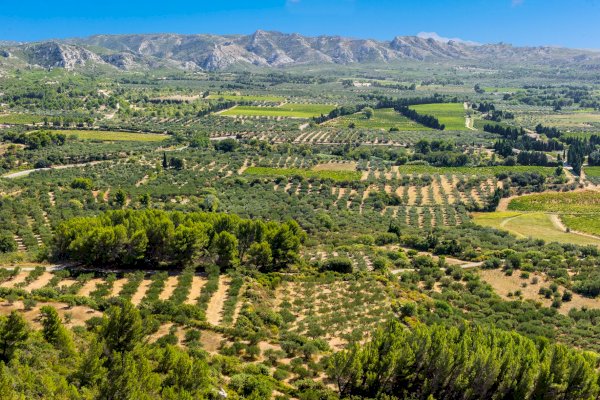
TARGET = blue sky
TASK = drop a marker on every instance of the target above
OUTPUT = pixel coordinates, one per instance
(572, 23)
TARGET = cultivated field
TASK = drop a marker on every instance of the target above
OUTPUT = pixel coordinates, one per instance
(291, 110)
(547, 227)
(109, 136)
(384, 119)
(450, 114)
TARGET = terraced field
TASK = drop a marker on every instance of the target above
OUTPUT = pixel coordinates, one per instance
(139, 287)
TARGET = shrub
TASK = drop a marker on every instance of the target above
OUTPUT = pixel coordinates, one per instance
(7, 242)
(338, 264)
(81, 183)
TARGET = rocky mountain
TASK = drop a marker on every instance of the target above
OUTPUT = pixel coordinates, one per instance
(272, 49)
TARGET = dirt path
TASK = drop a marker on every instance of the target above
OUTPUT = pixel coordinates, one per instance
(215, 305)
(142, 181)
(197, 284)
(468, 118)
(89, 287)
(365, 175)
(227, 109)
(16, 280)
(557, 222)
(170, 286)
(118, 286)
(40, 282)
(469, 123)
(136, 299)
(112, 115)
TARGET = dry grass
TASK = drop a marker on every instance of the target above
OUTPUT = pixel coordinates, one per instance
(503, 285)
(77, 314)
(333, 166)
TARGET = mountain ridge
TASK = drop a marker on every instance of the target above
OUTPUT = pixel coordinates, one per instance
(272, 49)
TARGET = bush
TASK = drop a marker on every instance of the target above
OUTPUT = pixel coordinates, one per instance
(342, 265)
(81, 183)
(380, 263)
(7, 242)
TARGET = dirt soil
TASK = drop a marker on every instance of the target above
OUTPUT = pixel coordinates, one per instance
(215, 305)
(503, 285)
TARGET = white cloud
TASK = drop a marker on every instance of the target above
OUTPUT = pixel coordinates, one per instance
(435, 36)
(517, 3)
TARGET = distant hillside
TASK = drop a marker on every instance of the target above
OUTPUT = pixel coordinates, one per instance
(272, 49)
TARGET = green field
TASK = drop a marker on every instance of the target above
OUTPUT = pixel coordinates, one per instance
(340, 176)
(247, 97)
(285, 110)
(494, 89)
(588, 223)
(450, 114)
(111, 136)
(481, 171)
(536, 225)
(587, 202)
(384, 118)
(580, 211)
(20, 119)
(593, 174)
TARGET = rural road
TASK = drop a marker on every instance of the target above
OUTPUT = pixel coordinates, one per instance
(26, 172)
(49, 268)
(463, 266)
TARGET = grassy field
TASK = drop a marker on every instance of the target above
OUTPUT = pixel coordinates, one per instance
(573, 120)
(20, 119)
(247, 97)
(580, 211)
(384, 118)
(110, 136)
(593, 174)
(536, 225)
(285, 110)
(306, 173)
(480, 171)
(450, 114)
(494, 89)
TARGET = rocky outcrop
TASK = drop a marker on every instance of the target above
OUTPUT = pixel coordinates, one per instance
(53, 54)
(275, 49)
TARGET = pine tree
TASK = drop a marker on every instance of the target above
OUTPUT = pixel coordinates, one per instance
(13, 333)
(122, 329)
(91, 368)
(54, 332)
